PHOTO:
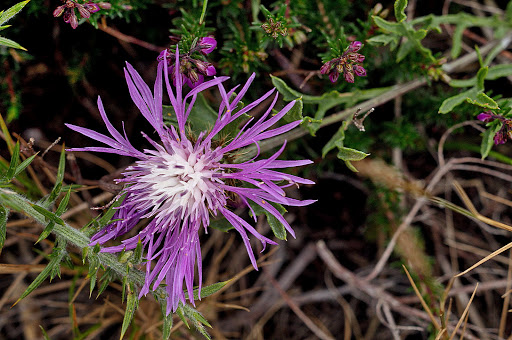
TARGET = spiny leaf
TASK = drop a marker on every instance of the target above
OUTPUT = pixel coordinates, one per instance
(167, 325)
(60, 210)
(132, 303)
(208, 290)
(54, 263)
(181, 314)
(48, 214)
(24, 165)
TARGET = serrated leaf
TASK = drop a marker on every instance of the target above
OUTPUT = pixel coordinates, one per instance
(107, 277)
(132, 303)
(4, 214)
(137, 253)
(60, 210)
(480, 77)
(12, 11)
(10, 43)
(349, 154)
(488, 139)
(450, 103)
(197, 319)
(400, 6)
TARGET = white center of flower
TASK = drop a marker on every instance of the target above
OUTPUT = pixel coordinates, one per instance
(183, 182)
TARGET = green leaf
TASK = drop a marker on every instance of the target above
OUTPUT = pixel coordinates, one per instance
(14, 162)
(48, 214)
(483, 100)
(4, 214)
(58, 180)
(10, 43)
(295, 113)
(132, 303)
(221, 224)
(450, 103)
(384, 39)
(338, 137)
(24, 165)
(457, 41)
(391, 27)
(348, 154)
(400, 6)
(52, 267)
(181, 314)
(11, 12)
(208, 290)
(480, 77)
(202, 116)
(277, 227)
(60, 210)
(45, 335)
(488, 139)
(197, 319)
(404, 49)
(167, 325)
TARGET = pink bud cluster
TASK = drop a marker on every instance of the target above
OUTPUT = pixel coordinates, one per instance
(504, 133)
(192, 70)
(85, 10)
(349, 64)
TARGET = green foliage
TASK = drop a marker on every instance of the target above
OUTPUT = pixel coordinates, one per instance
(5, 16)
(277, 227)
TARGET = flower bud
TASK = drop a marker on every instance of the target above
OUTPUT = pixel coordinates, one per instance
(486, 117)
(326, 67)
(59, 10)
(92, 7)
(105, 5)
(207, 44)
(354, 46)
(500, 138)
(333, 76)
(84, 13)
(359, 70)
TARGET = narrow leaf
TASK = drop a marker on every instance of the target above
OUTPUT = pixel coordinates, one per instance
(488, 139)
(14, 162)
(132, 303)
(10, 43)
(11, 12)
(4, 214)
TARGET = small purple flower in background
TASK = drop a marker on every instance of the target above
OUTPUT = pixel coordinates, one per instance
(85, 10)
(348, 64)
(192, 70)
(504, 133)
(184, 181)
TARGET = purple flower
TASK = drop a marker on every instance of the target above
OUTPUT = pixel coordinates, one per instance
(486, 117)
(183, 181)
(348, 64)
(68, 9)
(192, 70)
(207, 45)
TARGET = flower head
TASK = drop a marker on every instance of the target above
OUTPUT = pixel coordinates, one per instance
(68, 9)
(505, 131)
(183, 181)
(192, 71)
(348, 64)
